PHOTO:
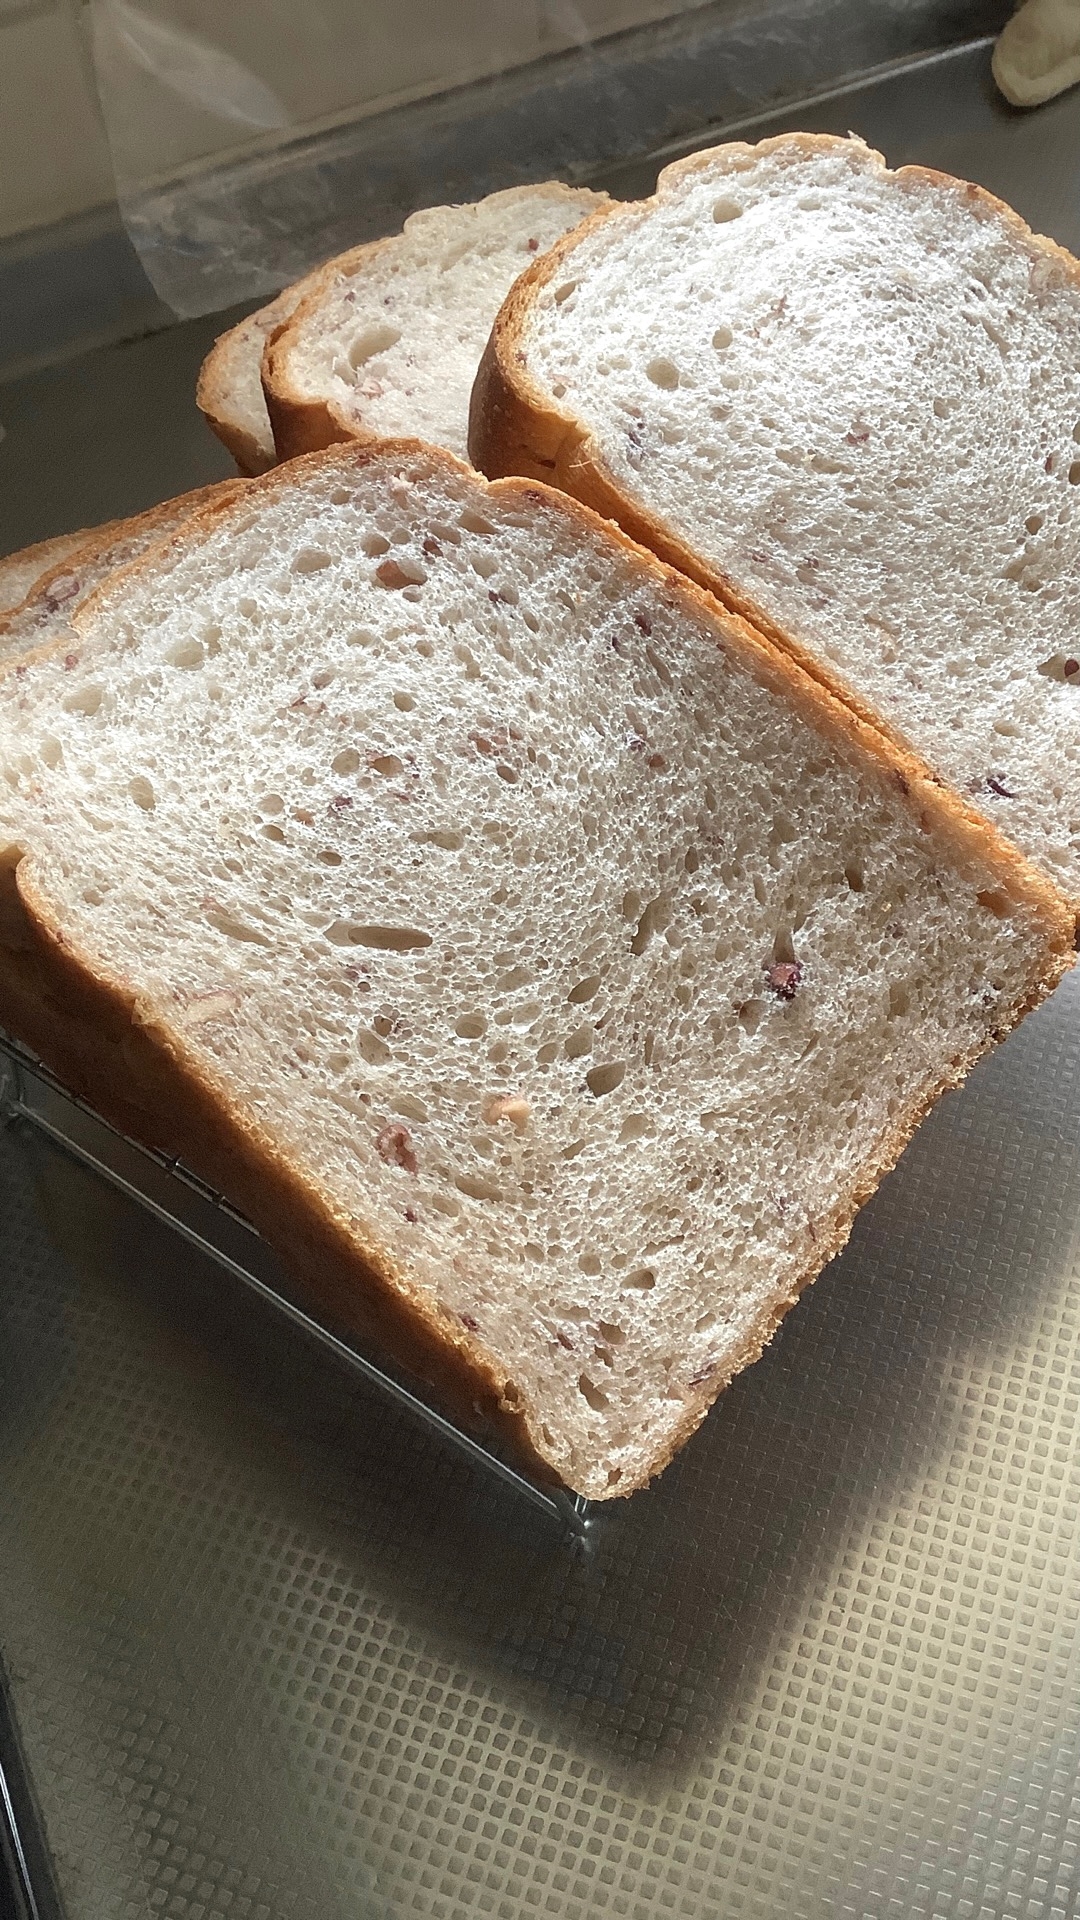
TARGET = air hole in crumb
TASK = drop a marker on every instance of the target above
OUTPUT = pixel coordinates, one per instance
(189, 653)
(722, 338)
(372, 340)
(311, 560)
(142, 793)
(474, 522)
(271, 831)
(404, 702)
(396, 574)
(272, 802)
(578, 1043)
(1074, 473)
(374, 544)
(372, 1048)
(584, 990)
(605, 1079)
(614, 1336)
(589, 1263)
(853, 874)
(996, 902)
(654, 919)
(470, 1026)
(642, 1279)
(329, 857)
(783, 951)
(1062, 667)
(347, 761)
(592, 1393)
(663, 373)
(749, 1015)
(725, 210)
(448, 838)
(899, 1000)
(85, 699)
(234, 928)
(350, 933)
(1035, 522)
(563, 292)
(388, 765)
(636, 1126)
(475, 1188)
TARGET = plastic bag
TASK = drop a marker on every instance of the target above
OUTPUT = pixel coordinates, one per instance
(253, 140)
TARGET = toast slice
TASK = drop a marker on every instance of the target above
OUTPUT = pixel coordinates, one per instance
(45, 614)
(229, 393)
(544, 962)
(848, 401)
(20, 572)
(386, 339)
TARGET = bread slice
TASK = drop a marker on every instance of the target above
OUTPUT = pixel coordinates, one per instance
(387, 338)
(229, 392)
(542, 961)
(45, 615)
(848, 401)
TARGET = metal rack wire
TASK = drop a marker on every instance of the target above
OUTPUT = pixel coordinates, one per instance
(31, 1095)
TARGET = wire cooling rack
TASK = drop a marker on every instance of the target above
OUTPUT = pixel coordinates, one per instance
(31, 1095)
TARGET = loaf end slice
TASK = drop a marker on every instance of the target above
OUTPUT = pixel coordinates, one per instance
(229, 394)
(20, 572)
(848, 401)
(45, 615)
(387, 338)
(542, 961)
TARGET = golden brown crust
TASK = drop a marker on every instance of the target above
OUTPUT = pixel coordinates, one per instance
(137, 1068)
(515, 426)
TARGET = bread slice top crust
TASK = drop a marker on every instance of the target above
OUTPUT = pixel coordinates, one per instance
(230, 392)
(20, 572)
(387, 338)
(46, 613)
(569, 962)
(847, 400)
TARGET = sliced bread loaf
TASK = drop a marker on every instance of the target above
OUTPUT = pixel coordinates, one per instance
(230, 392)
(547, 965)
(848, 400)
(387, 338)
(47, 610)
(20, 572)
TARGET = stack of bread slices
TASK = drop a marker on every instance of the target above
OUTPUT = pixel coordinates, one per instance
(545, 894)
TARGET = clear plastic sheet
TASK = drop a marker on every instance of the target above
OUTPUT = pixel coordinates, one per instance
(209, 111)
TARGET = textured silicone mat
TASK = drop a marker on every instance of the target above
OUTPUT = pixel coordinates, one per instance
(274, 1653)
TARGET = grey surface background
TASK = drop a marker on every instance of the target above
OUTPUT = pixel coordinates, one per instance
(275, 1653)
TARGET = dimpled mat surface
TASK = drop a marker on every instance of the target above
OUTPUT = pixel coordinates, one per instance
(276, 1653)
